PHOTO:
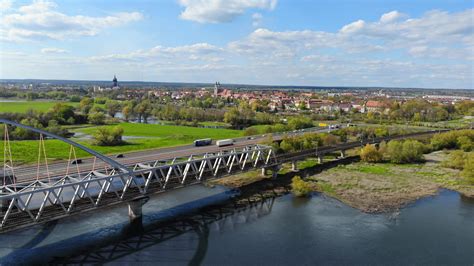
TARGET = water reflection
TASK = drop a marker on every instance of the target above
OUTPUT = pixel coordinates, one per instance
(184, 240)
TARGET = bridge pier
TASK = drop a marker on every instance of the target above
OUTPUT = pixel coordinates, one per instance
(135, 209)
(343, 154)
(5, 180)
(274, 171)
(294, 166)
(320, 159)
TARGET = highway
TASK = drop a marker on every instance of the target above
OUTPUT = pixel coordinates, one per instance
(59, 168)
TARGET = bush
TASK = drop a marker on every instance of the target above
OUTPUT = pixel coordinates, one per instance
(465, 143)
(468, 171)
(405, 152)
(105, 136)
(370, 154)
(96, 118)
(299, 187)
(413, 151)
(450, 140)
(455, 160)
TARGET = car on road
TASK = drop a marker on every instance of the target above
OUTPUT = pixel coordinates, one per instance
(224, 142)
(77, 161)
(202, 142)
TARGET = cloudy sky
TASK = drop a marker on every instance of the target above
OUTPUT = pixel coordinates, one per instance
(394, 43)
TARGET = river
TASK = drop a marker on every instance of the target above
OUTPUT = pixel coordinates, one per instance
(437, 230)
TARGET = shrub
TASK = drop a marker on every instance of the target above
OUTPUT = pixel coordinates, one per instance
(370, 154)
(299, 187)
(450, 140)
(455, 160)
(413, 151)
(405, 152)
(468, 171)
(465, 143)
(394, 151)
(105, 136)
(96, 118)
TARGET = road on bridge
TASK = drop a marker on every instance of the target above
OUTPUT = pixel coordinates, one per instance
(29, 172)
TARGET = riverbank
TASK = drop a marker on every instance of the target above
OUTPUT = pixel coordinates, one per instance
(371, 188)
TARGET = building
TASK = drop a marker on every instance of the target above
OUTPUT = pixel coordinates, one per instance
(217, 86)
(115, 84)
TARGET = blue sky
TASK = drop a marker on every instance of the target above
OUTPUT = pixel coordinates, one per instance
(404, 43)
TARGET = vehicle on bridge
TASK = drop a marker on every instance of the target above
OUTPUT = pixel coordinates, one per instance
(224, 142)
(202, 142)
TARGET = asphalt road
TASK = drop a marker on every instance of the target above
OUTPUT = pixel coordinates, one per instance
(60, 168)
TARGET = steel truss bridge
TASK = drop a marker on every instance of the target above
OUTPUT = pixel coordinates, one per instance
(51, 196)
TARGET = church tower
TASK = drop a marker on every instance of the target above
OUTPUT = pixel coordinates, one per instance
(216, 88)
(115, 82)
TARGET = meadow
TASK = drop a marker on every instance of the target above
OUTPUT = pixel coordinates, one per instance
(146, 136)
(23, 107)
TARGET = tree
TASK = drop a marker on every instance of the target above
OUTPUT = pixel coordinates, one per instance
(412, 151)
(394, 151)
(250, 131)
(85, 105)
(299, 187)
(300, 122)
(370, 154)
(127, 112)
(96, 118)
(24, 134)
(113, 107)
(106, 136)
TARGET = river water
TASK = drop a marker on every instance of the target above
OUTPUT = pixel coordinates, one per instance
(436, 230)
(319, 230)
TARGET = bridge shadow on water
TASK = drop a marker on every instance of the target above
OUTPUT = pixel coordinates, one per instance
(137, 238)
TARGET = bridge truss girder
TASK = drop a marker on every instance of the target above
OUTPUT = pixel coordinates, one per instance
(50, 199)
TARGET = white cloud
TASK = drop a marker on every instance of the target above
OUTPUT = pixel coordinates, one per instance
(53, 50)
(195, 52)
(40, 20)
(353, 27)
(5, 4)
(391, 16)
(218, 11)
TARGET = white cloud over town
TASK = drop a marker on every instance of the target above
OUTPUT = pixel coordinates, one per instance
(41, 20)
(218, 11)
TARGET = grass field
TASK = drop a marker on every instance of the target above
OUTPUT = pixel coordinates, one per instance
(180, 134)
(151, 137)
(22, 107)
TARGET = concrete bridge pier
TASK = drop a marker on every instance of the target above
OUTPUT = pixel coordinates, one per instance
(320, 159)
(294, 166)
(343, 154)
(135, 209)
(5, 180)
(274, 171)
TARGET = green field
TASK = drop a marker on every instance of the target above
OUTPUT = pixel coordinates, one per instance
(150, 137)
(180, 134)
(22, 107)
